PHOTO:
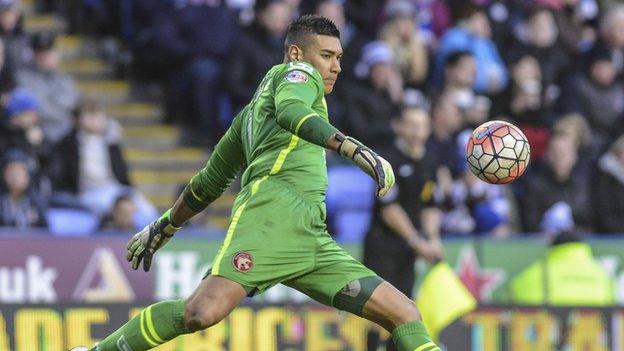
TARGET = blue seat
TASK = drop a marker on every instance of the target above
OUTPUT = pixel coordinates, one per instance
(350, 197)
(71, 222)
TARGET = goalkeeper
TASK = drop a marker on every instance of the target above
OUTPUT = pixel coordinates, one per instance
(277, 231)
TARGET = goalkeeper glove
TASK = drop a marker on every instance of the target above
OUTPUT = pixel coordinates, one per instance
(371, 163)
(144, 244)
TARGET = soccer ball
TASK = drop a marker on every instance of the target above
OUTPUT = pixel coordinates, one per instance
(498, 152)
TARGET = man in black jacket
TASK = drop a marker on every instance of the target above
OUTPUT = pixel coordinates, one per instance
(90, 169)
(259, 48)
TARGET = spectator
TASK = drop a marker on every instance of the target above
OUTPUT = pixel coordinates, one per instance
(195, 38)
(473, 34)
(556, 198)
(406, 222)
(447, 122)
(55, 90)
(537, 37)
(17, 52)
(260, 47)
(612, 35)
(91, 170)
(573, 18)
(121, 218)
(406, 42)
(569, 275)
(523, 102)
(601, 97)
(373, 103)
(609, 190)
(21, 206)
(575, 127)
(335, 11)
(22, 130)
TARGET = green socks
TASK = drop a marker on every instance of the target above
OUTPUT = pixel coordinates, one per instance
(155, 325)
(413, 336)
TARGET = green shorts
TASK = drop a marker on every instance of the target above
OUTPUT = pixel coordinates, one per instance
(276, 236)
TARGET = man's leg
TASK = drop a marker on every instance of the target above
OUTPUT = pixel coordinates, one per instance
(396, 313)
(213, 300)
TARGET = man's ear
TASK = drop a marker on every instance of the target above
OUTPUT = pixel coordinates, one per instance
(295, 53)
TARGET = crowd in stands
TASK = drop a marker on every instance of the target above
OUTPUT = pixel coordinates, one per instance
(555, 68)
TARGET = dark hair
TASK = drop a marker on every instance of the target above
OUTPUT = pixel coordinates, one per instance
(87, 105)
(566, 237)
(453, 58)
(300, 30)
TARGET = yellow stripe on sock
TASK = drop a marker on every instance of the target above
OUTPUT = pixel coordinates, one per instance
(144, 332)
(282, 155)
(425, 346)
(303, 120)
(150, 326)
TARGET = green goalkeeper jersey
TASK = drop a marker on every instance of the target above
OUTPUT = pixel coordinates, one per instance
(263, 139)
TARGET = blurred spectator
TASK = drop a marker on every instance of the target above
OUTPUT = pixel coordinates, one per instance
(91, 170)
(121, 218)
(612, 35)
(447, 122)
(20, 204)
(609, 190)
(473, 206)
(573, 18)
(22, 130)
(476, 207)
(557, 198)
(433, 18)
(195, 39)
(373, 103)
(406, 42)
(406, 222)
(575, 127)
(16, 47)
(364, 15)
(55, 90)
(334, 10)
(260, 47)
(601, 97)
(537, 37)
(569, 275)
(472, 33)
(523, 102)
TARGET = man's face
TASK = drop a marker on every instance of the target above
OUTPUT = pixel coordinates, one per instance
(276, 18)
(464, 72)
(414, 126)
(16, 176)
(47, 60)
(324, 53)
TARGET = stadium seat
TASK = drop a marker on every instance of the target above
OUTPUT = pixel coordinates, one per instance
(349, 202)
(71, 222)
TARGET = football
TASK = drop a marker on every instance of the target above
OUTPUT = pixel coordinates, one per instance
(498, 152)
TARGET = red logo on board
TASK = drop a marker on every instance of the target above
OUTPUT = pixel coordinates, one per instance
(242, 261)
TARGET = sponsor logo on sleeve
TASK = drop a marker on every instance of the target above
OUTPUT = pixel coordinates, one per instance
(296, 77)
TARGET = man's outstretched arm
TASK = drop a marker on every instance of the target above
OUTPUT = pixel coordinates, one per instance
(293, 107)
(206, 186)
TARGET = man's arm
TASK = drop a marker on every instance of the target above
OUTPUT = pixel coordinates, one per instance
(206, 186)
(294, 97)
(395, 217)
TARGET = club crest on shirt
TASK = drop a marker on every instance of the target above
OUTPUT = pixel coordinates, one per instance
(296, 77)
(242, 261)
